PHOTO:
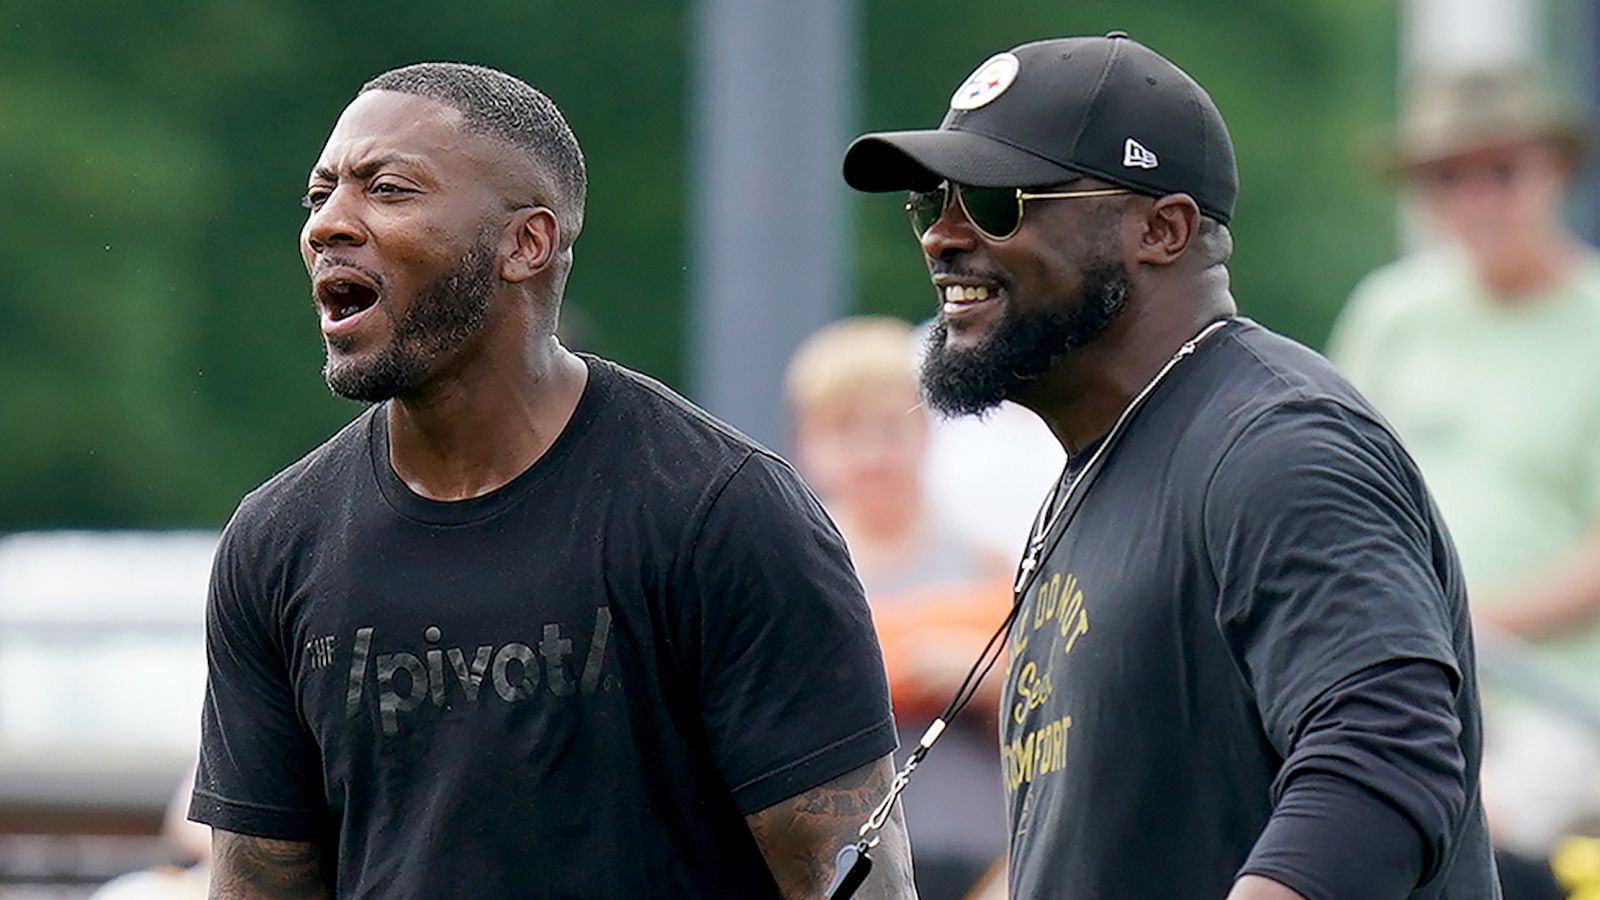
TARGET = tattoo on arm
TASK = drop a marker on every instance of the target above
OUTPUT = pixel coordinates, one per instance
(254, 868)
(801, 835)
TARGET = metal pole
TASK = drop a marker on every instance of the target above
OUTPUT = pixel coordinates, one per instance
(772, 108)
(1589, 61)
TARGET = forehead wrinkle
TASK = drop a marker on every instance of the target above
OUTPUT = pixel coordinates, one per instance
(388, 124)
(383, 128)
(369, 167)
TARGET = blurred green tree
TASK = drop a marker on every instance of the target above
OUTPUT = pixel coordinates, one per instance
(158, 356)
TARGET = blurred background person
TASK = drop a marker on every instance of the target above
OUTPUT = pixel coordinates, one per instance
(188, 877)
(860, 437)
(1481, 350)
(994, 512)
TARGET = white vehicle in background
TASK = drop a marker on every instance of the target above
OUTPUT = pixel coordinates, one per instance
(102, 673)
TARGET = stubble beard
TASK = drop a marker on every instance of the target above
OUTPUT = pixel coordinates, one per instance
(446, 313)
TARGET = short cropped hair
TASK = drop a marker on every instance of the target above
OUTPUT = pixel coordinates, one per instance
(1215, 241)
(494, 103)
(847, 357)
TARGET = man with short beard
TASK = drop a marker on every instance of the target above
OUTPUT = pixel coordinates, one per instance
(1241, 663)
(532, 625)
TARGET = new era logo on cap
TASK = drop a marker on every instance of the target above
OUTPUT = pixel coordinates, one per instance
(1136, 156)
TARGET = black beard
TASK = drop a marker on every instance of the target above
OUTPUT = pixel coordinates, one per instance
(1022, 347)
(446, 313)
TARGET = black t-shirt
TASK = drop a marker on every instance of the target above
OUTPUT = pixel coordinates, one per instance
(1255, 540)
(575, 686)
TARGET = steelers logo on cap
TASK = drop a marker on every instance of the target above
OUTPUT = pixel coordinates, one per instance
(988, 82)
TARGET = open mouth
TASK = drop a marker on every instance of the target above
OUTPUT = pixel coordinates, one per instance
(343, 293)
(343, 299)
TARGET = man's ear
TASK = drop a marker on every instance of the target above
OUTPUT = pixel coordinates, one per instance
(531, 243)
(1166, 230)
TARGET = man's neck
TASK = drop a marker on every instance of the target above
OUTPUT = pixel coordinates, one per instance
(480, 426)
(1082, 397)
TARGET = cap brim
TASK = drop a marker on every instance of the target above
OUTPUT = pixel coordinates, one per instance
(919, 160)
(1394, 155)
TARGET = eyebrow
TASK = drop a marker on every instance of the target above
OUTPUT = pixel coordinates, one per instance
(367, 168)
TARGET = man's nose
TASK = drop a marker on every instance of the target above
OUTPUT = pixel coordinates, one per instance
(950, 234)
(336, 222)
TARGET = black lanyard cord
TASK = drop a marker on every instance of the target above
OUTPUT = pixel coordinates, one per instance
(854, 861)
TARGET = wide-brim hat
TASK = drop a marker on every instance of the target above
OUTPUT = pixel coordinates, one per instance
(1451, 113)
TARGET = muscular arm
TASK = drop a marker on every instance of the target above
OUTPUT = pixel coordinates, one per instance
(1339, 616)
(253, 868)
(800, 836)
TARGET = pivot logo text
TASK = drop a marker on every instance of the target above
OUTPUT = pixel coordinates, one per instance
(515, 671)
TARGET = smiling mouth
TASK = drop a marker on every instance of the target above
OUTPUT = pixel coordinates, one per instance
(963, 294)
(963, 304)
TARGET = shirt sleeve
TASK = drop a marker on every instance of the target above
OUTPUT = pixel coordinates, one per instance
(1378, 775)
(792, 685)
(1321, 538)
(1320, 825)
(259, 771)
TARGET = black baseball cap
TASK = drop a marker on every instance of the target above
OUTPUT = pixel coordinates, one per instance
(1050, 111)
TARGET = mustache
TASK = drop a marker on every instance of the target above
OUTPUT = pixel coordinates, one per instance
(971, 274)
(326, 262)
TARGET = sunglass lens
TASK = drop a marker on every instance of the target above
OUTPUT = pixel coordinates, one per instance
(994, 210)
(924, 208)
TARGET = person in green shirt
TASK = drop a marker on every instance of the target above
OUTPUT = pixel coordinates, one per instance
(1484, 353)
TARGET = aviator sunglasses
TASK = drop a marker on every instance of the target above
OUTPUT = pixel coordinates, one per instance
(997, 212)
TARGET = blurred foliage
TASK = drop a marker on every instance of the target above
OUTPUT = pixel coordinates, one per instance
(158, 356)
